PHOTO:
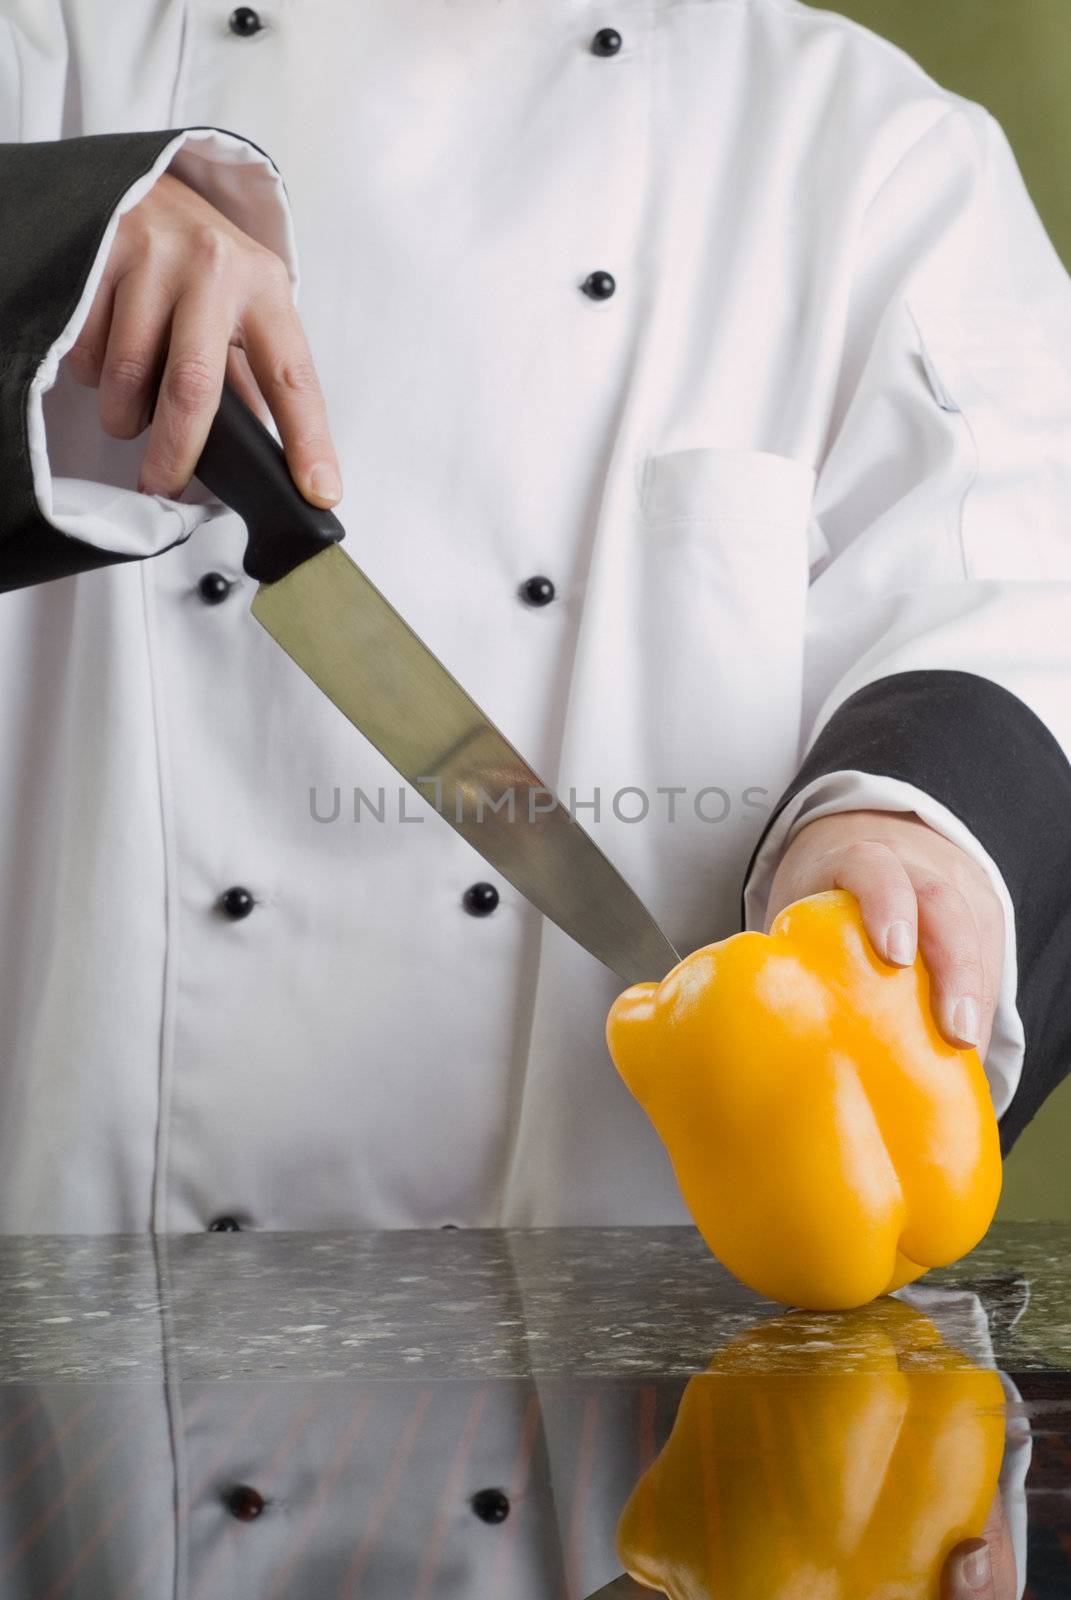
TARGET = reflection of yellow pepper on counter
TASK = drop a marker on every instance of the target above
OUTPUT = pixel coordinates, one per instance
(829, 1143)
(833, 1457)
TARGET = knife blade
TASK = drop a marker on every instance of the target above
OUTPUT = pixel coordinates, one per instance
(345, 635)
(623, 1588)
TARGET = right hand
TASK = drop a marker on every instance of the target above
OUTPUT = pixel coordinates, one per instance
(186, 300)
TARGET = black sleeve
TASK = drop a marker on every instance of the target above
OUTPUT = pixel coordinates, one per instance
(982, 753)
(56, 200)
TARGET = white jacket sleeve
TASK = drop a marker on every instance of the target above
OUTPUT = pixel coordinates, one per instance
(62, 203)
(939, 631)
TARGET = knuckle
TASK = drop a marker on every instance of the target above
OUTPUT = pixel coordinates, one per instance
(160, 472)
(190, 384)
(936, 894)
(297, 376)
(143, 237)
(989, 992)
(271, 276)
(310, 448)
(127, 376)
(211, 250)
(867, 857)
(866, 850)
(272, 270)
(84, 361)
(966, 975)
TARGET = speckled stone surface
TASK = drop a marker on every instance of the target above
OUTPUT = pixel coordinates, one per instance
(581, 1302)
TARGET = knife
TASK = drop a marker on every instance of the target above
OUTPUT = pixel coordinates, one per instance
(623, 1588)
(326, 614)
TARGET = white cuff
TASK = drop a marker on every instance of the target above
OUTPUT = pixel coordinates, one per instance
(241, 182)
(862, 791)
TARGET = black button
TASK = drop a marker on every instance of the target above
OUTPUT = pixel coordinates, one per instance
(449, 1227)
(214, 587)
(244, 22)
(236, 903)
(480, 899)
(599, 285)
(224, 1225)
(490, 1505)
(244, 1503)
(537, 591)
(607, 42)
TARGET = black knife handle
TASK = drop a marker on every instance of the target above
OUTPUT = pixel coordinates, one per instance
(244, 467)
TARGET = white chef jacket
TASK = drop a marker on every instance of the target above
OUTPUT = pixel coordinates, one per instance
(819, 434)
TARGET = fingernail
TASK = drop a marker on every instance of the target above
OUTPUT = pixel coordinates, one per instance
(900, 943)
(325, 482)
(977, 1569)
(967, 1020)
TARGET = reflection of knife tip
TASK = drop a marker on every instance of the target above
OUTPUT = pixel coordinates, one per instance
(623, 1588)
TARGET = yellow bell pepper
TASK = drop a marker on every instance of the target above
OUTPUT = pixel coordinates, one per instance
(828, 1142)
(832, 1458)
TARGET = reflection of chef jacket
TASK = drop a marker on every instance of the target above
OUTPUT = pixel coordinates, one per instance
(370, 1486)
(123, 1487)
(807, 467)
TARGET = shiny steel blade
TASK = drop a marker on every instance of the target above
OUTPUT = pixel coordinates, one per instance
(365, 657)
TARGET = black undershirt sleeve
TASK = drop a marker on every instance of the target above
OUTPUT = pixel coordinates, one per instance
(982, 753)
(56, 199)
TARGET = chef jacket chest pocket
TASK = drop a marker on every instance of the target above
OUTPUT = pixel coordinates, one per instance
(724, 553)
(737, 521)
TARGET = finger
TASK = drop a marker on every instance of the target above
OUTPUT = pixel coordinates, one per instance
(85, 358)
(951, 950)
(190, 390)
(242, 381)
(989, 920)
(880, 883)
(281, 362)
(137, 342)
(968, 1573)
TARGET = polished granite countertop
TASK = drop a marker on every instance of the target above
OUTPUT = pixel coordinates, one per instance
(480, 1414)
(451, 1304)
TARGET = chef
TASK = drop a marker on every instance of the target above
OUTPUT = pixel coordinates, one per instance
(699, 379)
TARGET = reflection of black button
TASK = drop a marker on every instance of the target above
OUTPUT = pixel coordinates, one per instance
(480, 899)
(245, 22)
(244, 1503)
(490, 1505)
(607, 42)
(224, 1225)
(599, 285)
(214, 587)
(236, 903)
(537, 591)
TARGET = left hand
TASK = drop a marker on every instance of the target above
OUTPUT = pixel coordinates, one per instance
(915, 890)
(983, 1569)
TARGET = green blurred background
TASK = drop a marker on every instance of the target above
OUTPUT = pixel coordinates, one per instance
(1012, 56)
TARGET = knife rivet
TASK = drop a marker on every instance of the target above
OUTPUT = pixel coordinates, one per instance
(480, 899)
(236, 903)
(537, 591)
